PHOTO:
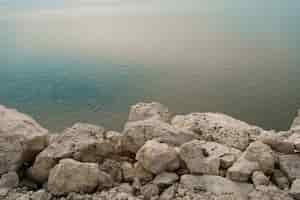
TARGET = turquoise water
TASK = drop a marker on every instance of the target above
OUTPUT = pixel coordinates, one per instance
(241, 59)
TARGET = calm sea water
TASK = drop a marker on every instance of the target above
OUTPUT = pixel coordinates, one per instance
(241, 59)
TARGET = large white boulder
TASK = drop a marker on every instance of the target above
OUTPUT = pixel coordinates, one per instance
(258, 156)
(157, 157)
(218, 127)
(21, 138)
(142, 111)
(82, 142)
(73, 176)
(136, 134)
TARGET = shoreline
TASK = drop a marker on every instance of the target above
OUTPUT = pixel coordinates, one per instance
(157, 156)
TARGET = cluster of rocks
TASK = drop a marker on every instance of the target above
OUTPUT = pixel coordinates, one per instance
(158, 156)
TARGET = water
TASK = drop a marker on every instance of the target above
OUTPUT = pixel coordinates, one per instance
(239, 58)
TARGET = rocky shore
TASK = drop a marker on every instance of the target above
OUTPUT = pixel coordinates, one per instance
(158, 156)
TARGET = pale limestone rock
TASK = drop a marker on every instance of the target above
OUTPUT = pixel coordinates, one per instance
(157, 157)
(242, 170)
(295, 189)
(73, 176)
(257, 157)
(142, 111)
(82, 142)
(196, 159)
(277, 142)
(227, 155)
(290, 165)
(136, 134)
(218, 127)
(21, 138)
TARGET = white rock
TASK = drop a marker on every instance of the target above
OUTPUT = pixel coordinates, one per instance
(277, 142)
(242, 170)
(3, 192)
(257, 157)
(82, 142)
(194, 155)
(142, 111)
(158, 157)
(21, 138)
(218, 127)
(136, 134)
(216, 185)
(290, 165)
(9, 180)
(73, 176)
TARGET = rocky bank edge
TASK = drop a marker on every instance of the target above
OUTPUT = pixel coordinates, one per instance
(158, 156)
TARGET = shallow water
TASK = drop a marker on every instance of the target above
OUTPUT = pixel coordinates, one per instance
(240, 59)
